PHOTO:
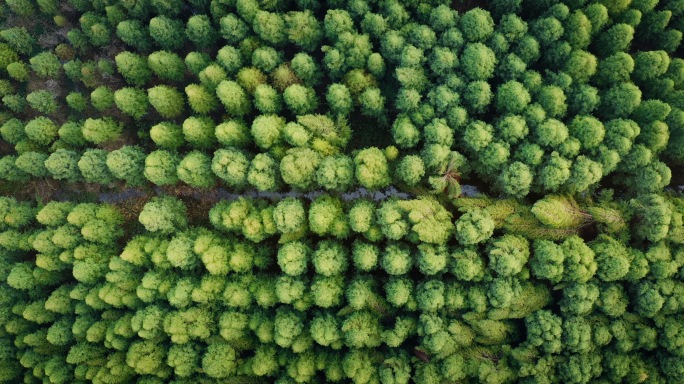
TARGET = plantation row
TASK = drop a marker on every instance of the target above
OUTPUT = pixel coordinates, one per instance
(594, 104)
(193, 304)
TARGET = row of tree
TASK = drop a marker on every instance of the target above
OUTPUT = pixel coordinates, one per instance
(189, 303)
(475, 83)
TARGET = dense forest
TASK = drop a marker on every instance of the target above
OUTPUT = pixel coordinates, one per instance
(281, 191)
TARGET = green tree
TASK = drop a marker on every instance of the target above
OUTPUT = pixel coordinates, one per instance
(299, 99)
(371, 168)
(100, 131)
(201, 99)
(167, 32)
(160, 167)
(46, 64)
(197, 61)
(233, 28)
(195, 170)
(231, 166)
(133, 68)
(63, 165)
(270, 27)
(167, 135)
(135, 34)
(127, 163)
(77, 101)
(102, 98)
(200, 31)
(32, 163)
(199, 131)
(303, 29)
(19, 39)
(478, 61)
(477, 25)
(230, 59)
(234, 98)
(166, 65)
(233, 133)
(42, 101)
(335, 173)
(41, 130)
(93, 166)
(132, 101)
(163, 215)
(167, 101)
(298, 167)
(18, 71)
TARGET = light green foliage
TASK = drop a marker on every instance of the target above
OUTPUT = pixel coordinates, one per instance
(411, 169)
(270, 27)
(298, 168)
(127, 163)
(332, 256)
(164, 215)
(335, 173)
(46, 64)
(77, 101)
(508, 255)
(32, 163)
(512, 97)
(132, 101)
(13, 131)
(326, 217)
(201, 99)
(199, 132)
(133, 68)
(233, 133)
(18, 71)
(42, 101)
(267, 100)
(63, 165)
(233, 98)
(476, 25)
(200, 32)
(300, 100)
(41, 130)
(231, 166)
(263, 173)
(133, 33)
(219, 360)
(19, 39)
(197, 61)
(474, 227)
(166, 65)
(160, 167)
(544, 331)
(371, 168)
(195, 170)
(212, 75)
(99, 131)
(167, 32)
(93, 166)
(167, 135)
(478, 61)
(559, 211)
(267, 130)
(167, 101)
(102, 98)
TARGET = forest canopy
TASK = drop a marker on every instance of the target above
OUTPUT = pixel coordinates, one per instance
(365, 191)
